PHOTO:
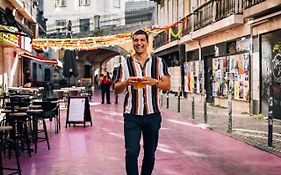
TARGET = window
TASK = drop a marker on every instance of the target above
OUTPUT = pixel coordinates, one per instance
(61, 23)
(84, 25)
(60, 3)
(116, 3)
(84, 2)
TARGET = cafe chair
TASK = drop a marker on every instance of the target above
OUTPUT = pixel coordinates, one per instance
(21, 123)
(7, 142)
(39, 114)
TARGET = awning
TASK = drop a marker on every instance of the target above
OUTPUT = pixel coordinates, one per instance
(42, 59)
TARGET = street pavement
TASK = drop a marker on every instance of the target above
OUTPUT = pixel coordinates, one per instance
(186, 147)
(245, 127)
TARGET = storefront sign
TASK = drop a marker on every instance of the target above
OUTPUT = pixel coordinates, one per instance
(7, 38)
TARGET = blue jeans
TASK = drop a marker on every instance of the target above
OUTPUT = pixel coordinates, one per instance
(134, 127)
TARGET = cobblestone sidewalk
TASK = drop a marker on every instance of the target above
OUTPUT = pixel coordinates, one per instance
(246, 128)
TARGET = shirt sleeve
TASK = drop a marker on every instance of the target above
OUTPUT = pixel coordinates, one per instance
(163, 68)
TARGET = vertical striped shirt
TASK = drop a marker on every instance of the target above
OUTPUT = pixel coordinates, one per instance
(142, 101)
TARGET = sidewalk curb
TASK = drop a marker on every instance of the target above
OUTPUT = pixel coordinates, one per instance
(272, 151)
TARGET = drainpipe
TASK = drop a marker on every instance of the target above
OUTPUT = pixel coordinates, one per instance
(250, 70)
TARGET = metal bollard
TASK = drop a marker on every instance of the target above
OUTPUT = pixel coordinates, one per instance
(205, 107)
(179, 103)
(167, 99)
(229, 110)
(270, 121)
(193, 116)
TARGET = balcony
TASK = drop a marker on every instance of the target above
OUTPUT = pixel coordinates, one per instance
(186, 25)
(27, 8)
(250, 3)
(258, 8)
(160, 39)
(214, 11)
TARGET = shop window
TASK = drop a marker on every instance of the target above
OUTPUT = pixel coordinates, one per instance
(231, 47)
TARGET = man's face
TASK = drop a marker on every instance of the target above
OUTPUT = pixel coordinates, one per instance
(140, 43)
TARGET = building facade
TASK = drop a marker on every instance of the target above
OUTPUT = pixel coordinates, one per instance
(83, 15)
(222, 45)
(20, 22)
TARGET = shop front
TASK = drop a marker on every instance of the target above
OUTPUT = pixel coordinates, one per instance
(171, 57)
(271, 72)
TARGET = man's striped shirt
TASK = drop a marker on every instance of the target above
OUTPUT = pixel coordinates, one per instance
(142, 101)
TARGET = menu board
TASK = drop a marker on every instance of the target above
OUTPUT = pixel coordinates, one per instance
(78, 111)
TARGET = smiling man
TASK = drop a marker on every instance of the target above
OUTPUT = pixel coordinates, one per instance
(142, 75)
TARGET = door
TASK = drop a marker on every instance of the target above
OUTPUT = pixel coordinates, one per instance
(208, 71)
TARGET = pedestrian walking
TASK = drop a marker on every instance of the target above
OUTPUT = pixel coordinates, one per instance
(142, 75)
(105, 84)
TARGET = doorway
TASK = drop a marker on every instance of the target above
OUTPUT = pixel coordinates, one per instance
(208, 74)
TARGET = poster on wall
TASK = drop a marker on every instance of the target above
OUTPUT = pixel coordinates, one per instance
(231, 71)
(193, 77)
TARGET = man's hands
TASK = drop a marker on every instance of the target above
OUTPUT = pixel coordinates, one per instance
(163, 84)
(149, 81)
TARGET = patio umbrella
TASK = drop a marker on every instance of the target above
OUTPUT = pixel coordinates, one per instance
(69, 64)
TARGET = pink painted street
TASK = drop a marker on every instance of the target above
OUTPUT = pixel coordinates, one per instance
(185, 148)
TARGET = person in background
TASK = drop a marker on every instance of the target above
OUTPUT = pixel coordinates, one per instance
(105, 83)
(69, 29)
(114, 79)
(142, 75)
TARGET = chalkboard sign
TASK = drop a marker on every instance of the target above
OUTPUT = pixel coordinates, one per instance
(78, 111)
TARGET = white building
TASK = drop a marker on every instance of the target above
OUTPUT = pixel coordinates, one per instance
(82, 14)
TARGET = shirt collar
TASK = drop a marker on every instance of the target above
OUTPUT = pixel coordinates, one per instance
(149, 57)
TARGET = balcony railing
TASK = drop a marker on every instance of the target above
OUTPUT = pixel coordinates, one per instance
(186, 25)
(30, 7)
(250, 3)
(225, 8)
(204, 15)
(160, 39)
(208, 13)
(174, 36)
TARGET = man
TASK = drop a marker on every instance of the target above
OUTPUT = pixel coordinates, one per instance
(142, 76)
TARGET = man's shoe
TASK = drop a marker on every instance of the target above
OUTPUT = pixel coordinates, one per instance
(108, 103)
(102, 102)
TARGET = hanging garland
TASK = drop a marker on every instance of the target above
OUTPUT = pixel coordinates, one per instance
(91, 43)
